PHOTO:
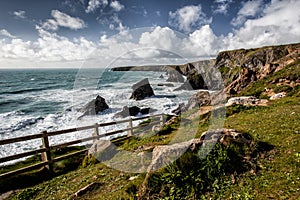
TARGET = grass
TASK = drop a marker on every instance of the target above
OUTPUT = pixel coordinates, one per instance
(273, 172)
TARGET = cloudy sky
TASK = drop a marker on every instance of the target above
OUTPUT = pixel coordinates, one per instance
(98, 33)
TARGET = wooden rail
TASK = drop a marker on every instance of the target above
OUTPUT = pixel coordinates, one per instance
(44, 150)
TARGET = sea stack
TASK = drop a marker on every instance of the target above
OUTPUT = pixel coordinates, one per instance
(141, 90)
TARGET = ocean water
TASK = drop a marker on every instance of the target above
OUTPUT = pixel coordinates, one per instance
(34, 100)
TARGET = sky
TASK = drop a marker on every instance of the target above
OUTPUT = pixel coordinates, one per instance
(101, 33)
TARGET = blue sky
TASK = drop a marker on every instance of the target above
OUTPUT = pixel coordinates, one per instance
(68, 33)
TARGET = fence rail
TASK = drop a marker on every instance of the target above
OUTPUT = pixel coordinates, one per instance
(47, 160)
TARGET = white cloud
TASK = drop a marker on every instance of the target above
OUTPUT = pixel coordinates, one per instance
(63, 20)
(116, 5)
(279, 23)
(249, 9)
(5, 33)
(188, 17)
(222, 6)
(19, 14)
(94, 4)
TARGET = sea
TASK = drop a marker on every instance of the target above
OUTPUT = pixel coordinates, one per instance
(34, 100)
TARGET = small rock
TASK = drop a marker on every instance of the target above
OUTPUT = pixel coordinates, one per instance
(102, 150)
(278, 96)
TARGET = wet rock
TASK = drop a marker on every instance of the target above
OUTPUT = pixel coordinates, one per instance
(95, 106)
(141, 90)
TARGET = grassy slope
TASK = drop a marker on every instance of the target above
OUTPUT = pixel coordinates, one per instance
(278, 178)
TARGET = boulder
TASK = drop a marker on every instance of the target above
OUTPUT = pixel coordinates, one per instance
(141, 90)
(133, 111)
(95, 106)
(102, 150)
(166, 154)
(201, 98)
(246, 101)
(278, 96)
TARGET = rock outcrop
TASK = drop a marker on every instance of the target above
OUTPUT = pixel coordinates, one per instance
(201, 98)
(95, 106)
(141, 90)
(241, 67)
(278, 96)
(247, 101)
(165, 154)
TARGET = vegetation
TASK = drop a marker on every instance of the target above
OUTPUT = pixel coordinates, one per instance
(268, 168)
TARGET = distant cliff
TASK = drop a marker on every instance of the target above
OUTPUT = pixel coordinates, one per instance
(238, 68)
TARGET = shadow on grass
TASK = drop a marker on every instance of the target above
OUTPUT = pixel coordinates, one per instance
(32, 178)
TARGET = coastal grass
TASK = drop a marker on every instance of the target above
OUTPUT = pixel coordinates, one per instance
(273, 172)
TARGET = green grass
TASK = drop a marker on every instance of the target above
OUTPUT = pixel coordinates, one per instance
(272, 170)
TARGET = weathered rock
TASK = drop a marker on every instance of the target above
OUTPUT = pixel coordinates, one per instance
(241, 67)
(175, 76)
(165, 154)
(201, 98)
(246, 101)
(278, 96)
(95, 106)
(141, 90)
(102, 150)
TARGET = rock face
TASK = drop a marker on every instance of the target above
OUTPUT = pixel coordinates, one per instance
(102, 150)
(201, 98)
(241, 67)
(175, 76)
(133, 111)
(95, 106)
(194, 82)
(142, 90)
(246, 101)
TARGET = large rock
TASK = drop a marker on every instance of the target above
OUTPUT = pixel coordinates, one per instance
(246, 101)
(201, 98)
(95, 106)
(133, 111)
(165, 154)
(102, 150)
(142, 90)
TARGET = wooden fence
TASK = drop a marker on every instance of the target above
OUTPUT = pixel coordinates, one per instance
(44, 150)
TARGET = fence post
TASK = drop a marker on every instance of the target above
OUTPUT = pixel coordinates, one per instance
(46, 156)
(162, 120)
(130, 132)
(96, 132)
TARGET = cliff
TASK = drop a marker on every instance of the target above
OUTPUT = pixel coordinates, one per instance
(238, 68)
